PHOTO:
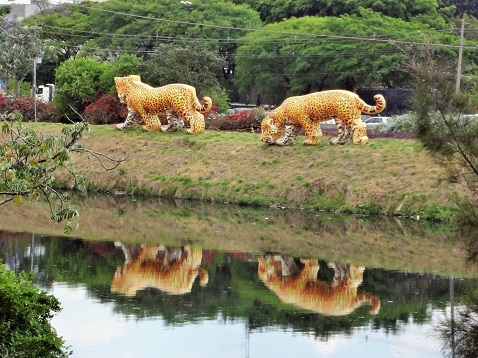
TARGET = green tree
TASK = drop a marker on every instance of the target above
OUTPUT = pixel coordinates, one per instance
(451, 136)
(84, 79)
(462, 7)
(407, 10)
(29, 161)
(442, 125)
(113, 27)
(66, 26)
(4, 10)
(78, 82)
(188, 63)
(18, 48)
(299, 56)
(25, 314)
(124, 66)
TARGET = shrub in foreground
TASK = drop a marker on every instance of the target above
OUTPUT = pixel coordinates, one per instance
(25, 314)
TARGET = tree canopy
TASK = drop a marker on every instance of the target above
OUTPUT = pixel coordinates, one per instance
(114, 27)
(307, 45)
(188, 63)
(82, 80)
(18, 48)
(408, 10)
(302, 55)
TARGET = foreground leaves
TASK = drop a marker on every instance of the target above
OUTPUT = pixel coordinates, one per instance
(25, 314)
(28, 161)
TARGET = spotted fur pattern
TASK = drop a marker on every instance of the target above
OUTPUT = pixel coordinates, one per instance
(172, 270)
(300, 286)
(146, 102)
(283, 124)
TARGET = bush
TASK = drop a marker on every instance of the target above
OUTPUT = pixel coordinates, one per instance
(244, 120)
(46, 112)
(25, 314)
(105, 110)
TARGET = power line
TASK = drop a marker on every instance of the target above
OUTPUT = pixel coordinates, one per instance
(374, 38)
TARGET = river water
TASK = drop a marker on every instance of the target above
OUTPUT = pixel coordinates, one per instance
(193, 280)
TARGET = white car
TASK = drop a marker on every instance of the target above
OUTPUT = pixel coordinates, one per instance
(375, 121)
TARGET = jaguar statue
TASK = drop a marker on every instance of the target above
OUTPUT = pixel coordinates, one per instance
(282, 125)
(300, 286)
(147, 102)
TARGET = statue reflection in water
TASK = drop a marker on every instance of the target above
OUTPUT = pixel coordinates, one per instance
(172, 270)
(300, 286)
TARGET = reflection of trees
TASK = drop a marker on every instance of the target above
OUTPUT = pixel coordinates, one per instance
(301, 287)
(459, 333)
(234, 290)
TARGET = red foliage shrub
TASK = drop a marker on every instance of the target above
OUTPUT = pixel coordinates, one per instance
(243, 120)
(46, 111)
(105, 110)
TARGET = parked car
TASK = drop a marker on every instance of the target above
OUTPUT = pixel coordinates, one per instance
(331, 122)
(375, 121)
(239, 109)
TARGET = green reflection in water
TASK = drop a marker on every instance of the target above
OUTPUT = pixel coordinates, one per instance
(380, 242)
(234, 289)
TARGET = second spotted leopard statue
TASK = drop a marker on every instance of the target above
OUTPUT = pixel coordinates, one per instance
(174, 123)
(148, 102)
(282, 125)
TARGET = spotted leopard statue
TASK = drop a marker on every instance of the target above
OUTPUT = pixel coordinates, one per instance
(282, 125)
(174, 122)
(147, 102)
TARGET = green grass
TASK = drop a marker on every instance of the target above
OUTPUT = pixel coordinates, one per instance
(238, 167)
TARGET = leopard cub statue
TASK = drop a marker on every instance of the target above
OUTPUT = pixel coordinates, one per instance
(147, 102)
(282, 125)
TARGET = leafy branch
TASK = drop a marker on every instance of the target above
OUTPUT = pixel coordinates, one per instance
(29, 160)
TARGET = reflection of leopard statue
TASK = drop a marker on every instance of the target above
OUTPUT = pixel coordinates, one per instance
(282, 125)
(148, 102)
(174, 123)
(302, 288)
(171, 270)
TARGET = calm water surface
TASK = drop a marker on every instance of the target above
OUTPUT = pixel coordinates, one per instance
(128, 298)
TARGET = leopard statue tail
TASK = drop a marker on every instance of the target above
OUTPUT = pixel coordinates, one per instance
(206, 107)
(379, 107)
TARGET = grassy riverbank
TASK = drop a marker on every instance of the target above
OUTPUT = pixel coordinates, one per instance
(373, 242)
(386, 176)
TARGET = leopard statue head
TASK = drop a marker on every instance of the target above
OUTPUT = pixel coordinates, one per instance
(271, 132)
(121, 83)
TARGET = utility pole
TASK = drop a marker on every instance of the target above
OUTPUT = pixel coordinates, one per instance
(460, 56)
(36, 61)
(35, 87)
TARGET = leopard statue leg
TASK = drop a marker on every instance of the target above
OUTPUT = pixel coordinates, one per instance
(147, 122)
(131, 119)
(359, 133)
(167, 127)
(174, 122)
(290, 135)
(199, 123)
(155, 123)
(192, 123)
(313, 133)
(343, 133)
